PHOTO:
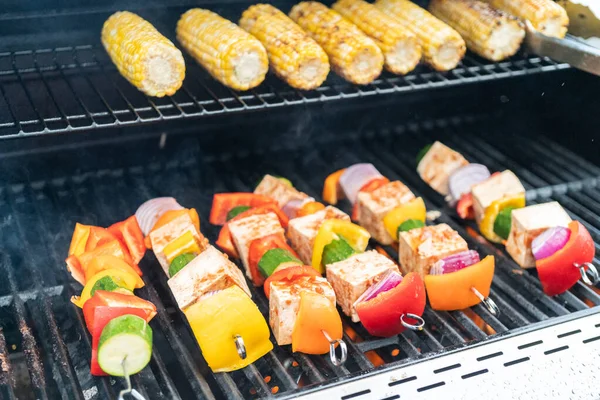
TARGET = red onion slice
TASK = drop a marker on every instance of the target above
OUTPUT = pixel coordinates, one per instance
(291, 207)
(463, 179)
(388, 282)
(550, 241)
(355, 177)
(455, 262)
(149, 212)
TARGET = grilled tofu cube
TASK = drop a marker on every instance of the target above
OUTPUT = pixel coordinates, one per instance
(420, 248)
(373, 206)
(303, 230)
(438, 164)
(277, 189)
(284, 303)
(210, 271)
(527, 224)
(164, 235)
(350, 278)
(245, 230)
(498, 186)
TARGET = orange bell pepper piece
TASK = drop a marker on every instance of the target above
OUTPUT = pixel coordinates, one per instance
(310, 208)
(112, 248)
(100, 263)
(130, 234)
(98, 236)
(316, 314)
(81, 233)
(332, 192)
(74, 267)
(170, 216)
(452, 291)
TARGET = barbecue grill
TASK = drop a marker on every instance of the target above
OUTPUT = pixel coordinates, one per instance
(80, 144)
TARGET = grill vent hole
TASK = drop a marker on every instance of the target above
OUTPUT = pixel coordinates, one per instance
(433, 386)
(525, 346)
(412, 378)
(513, 362)
(472, 374)
(356, 394)
(592, 339)
(483, 358)
(556, 350)
(562, 335)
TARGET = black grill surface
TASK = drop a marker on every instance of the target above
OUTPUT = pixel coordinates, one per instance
(45, 348)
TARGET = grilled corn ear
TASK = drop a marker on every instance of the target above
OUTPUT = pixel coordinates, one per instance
(294, 56)
(442, 46)
(352, 54)
(546, 16)
(491, 33)
(230, 54)
(147, 59)
(399, 46)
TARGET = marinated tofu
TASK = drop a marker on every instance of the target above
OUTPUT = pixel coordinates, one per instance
(245, 230)
(350, 278)
(420, 248)
(527, 224)
(277, 189)
(208, 272)
(501, 185)
(438, 164)
(164, 235)
(303, 230)
(284, 303)
(373, 207)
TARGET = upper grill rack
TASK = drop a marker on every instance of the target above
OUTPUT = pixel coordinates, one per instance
(44, 333)
(78, 88)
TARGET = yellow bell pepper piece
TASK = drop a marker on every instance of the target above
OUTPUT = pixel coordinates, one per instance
(81, 233)
(129, 280)
(414, 209)
(217, 319)
(486, 226)
(357, 237)
(186, 243)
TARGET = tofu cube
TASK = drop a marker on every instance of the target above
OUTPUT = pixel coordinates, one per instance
(420, 248)
(277, 189)
(438, 164)
(245, 230)
(350, 278)
(303, 230)
(284, 303)
(373, 207)
(485, 193)
(527, 224)
(210, 271)
(164, 235)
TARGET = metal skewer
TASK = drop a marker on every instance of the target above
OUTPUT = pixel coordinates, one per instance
(489, 303)
(591, 271)
(240, 346)
(332, 353)
(128, 389)
(416, 327)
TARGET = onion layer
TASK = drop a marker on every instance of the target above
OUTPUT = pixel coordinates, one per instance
(291, 207)
(463, 179)
(149, 212)
(355, 177)
(455, 262)
(388, 282)
(550, 241)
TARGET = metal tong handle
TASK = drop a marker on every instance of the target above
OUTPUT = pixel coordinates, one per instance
(578, 54)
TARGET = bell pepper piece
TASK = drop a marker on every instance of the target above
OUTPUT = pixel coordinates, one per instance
(332, 191)
(356, 236)
(258, 248)
(370, 186)
(452, 291)
(98, 236)
(381, 315)
(217, 319)
(316, 314)
(558, 273)
(101, 263)
(310, 208)
(486, 226)
(102, 298)
(130, 234)
(169, 216)
(223, 202)
(111, 248)
(288, 274)
(186, 243)
(74, 267)
(81, 233)
(129, 280)
(464, 207)
(414, 209)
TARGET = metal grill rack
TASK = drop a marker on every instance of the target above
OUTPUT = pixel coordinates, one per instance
(78, 88)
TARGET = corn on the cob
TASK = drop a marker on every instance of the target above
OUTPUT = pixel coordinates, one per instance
(546, 16)
(399, 46)
(491, 33)
(442, 46)
(230, 54)
(147, 59)
(293, 55)
(353, 55)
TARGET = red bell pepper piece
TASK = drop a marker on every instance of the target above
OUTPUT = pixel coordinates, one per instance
(370, 186)
(381, 315)
(258, 248)
(130, 234)
(288, 274)
(74, 267)
(103, 298)
(558, 273)
(98, 236)
(464, 206)
(224, 202)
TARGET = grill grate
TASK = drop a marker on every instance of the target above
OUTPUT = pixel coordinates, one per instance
(43, 333)
(78, 88)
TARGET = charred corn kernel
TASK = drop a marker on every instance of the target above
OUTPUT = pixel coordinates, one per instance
(442, 46)
(353, 55)
(399, 46)
(147, 59)
(230, 54)
(546, 16)
(293, 55)
(491, 33)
